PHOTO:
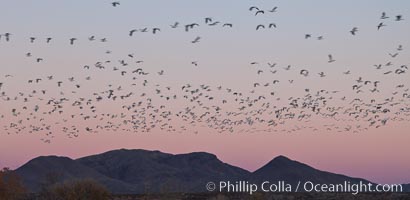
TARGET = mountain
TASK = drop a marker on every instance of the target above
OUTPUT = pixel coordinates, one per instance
(141, 171)
(157, 171)
(291, 172)
(133, 171)
(41, 170)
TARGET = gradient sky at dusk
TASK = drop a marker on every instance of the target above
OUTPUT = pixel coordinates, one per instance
(224, 56)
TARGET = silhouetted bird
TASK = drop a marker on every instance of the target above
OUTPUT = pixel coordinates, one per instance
(354, 30)
(72, 40)
(132, 32)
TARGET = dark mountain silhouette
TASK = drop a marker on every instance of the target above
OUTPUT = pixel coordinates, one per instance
(140, 171)
(46, 169)
(282, 168)
(134, 171)
(157, 171)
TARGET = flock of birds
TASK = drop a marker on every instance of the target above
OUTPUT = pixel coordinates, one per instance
(147, 106)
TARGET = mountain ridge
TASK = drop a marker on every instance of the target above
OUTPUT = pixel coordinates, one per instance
(134, 171)
(293, 172)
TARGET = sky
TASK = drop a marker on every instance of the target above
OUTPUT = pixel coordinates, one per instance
(224, 56)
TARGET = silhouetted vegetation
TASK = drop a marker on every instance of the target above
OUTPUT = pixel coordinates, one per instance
(11, 187)
(86, 189)
(50, 179)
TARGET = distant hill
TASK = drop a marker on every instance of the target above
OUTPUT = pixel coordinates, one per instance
(134, 171)
(282, 168)
(157, 171)
(140, 171)
(38, 171)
